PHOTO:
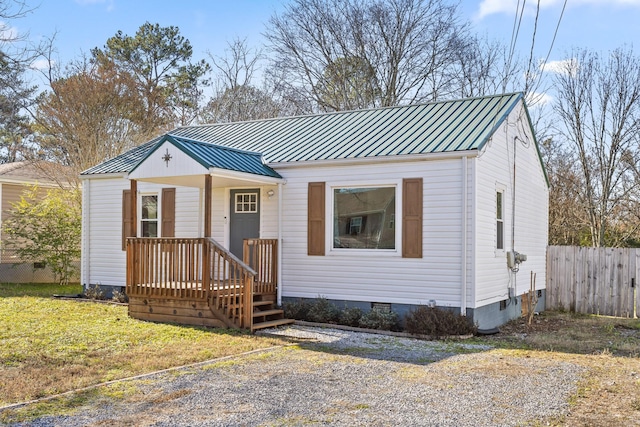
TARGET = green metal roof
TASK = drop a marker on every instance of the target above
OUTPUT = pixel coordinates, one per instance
(216, 156)
(125, 161)
(446, 126)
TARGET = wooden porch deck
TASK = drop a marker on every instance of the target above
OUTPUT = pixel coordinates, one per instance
(198, 282)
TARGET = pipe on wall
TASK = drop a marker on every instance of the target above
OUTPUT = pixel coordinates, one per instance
(463, 286)
(279, 288)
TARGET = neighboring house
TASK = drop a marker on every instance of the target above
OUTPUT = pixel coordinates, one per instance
(15, 178)
(398, 206)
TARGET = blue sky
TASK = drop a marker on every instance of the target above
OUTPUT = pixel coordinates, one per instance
(83, 24)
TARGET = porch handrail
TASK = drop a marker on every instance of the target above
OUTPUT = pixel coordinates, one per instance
(228, 253)
(231, 286)
(262, 255)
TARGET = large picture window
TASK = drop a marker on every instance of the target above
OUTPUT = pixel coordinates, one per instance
(149, 216)
(364, 218)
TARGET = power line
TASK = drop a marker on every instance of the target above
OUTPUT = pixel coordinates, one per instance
(553, 40)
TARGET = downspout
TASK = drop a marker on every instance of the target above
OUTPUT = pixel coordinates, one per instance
(463, 290)
(85, 235)
(279, 278)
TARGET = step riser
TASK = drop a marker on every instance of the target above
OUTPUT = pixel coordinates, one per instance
(264, 315)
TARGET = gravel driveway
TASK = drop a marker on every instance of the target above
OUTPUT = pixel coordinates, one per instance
(341, 378)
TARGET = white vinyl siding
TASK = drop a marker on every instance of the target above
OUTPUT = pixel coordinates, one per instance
(188, 215)
(104, 261)
(156, 165)
(219, 215)
(269, 213)
(495, 173)
(371, 276)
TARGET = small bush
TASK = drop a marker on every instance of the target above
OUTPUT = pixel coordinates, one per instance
(379, 318)
(350, 316)
(93, 292)
(323, 311)
(298, 310)
(118, 296)
(437, 322)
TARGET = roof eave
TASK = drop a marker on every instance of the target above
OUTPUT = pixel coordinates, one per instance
(111, 175)
(498, 121)
(246, 176)
(377, 159)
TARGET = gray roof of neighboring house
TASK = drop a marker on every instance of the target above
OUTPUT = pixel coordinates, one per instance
(446, 126)
(31, 171)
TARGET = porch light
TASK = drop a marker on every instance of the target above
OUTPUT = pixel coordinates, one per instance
(270, 193)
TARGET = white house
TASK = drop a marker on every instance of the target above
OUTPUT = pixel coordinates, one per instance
(402, 206)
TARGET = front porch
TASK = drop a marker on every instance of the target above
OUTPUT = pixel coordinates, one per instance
(198, 282)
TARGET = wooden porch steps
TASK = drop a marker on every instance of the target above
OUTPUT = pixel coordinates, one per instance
(262, 303)
(272, 324)
(265, 315)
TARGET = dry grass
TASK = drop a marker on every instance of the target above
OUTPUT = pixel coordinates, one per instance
(609, 395)
(572, 333)
(51, 346)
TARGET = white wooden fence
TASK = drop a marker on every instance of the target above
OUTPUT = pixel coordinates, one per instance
(593, 280)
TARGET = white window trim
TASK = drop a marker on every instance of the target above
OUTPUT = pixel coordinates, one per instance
(329, 191)
(139, 213)
(500, 188)
(257, 203)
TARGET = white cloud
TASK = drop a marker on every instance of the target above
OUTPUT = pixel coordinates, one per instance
(490, 7)
(538, 99)
(8, 33)
(561, 67)
(40, 64)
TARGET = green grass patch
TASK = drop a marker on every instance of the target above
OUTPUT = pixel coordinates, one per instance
(38, 289)
(50, 346)
(67, 405)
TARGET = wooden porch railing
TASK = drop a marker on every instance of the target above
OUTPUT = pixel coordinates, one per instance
(262, 256)
(166, 268)
(233, 282)
(201, 269)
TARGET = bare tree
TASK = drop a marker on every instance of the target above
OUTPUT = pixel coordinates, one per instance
(409, 45)
(482, 67)
(599, 111)
(236, 97)
(568, 221)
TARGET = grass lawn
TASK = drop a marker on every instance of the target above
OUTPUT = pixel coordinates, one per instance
(50, 345)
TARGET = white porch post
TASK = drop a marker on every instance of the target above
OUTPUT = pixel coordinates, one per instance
(279, 278)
